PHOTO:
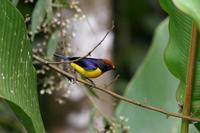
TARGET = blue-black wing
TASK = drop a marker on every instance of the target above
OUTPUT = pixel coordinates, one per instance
(86, 63)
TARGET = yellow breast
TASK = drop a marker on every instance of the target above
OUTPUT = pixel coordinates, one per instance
(86, 73)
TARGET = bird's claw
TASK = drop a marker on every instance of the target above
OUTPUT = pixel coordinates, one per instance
(92, 84)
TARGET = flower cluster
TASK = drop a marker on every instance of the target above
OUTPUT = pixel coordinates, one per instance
(119, 126)
(62, 23)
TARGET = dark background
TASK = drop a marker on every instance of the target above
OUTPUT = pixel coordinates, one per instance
(135, 23)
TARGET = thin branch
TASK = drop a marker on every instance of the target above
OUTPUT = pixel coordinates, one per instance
(190, 75)
(156, 109)
(88, 54)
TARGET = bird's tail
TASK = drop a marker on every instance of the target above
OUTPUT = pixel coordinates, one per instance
(61, 56)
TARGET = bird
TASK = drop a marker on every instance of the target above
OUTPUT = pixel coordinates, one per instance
(88, 67)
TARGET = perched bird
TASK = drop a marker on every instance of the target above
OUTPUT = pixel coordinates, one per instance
(89, 67)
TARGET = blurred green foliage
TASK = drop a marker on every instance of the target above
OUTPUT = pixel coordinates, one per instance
(8, 121)
(147, 86)
(135, 22)
(153, 84)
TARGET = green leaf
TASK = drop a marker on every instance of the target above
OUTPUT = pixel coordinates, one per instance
(154, 85)
(191, 8)
(17, 74)
(52, 44)
(177, 51)
(15, 2)
(38, 16)
(64, 3)
(49, 12)
(8, 121)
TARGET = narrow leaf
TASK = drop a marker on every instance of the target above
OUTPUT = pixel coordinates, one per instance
(49, 11)
(52, 44)
(38, 16)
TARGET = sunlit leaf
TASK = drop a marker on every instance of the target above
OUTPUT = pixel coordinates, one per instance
(190, 8)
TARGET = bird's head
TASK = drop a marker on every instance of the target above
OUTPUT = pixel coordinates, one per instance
(108, 65)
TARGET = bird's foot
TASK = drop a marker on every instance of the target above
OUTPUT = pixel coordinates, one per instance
(92, 84)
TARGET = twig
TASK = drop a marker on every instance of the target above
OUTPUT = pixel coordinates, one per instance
(88, 54)
(189, 82)
(156, 109)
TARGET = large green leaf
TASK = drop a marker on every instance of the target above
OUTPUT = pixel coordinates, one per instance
(17, 74)
(192, 9)
(177, 51)
(155, 85)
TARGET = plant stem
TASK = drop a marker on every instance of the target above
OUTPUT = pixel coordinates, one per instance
(189, 83)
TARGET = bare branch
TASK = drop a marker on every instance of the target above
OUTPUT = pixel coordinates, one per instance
(133, 102)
